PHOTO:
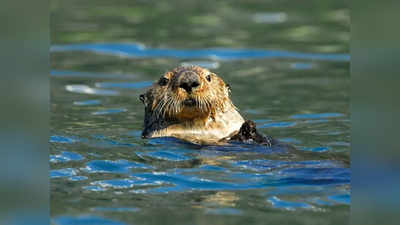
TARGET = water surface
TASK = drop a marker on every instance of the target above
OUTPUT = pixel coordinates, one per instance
(288, 66)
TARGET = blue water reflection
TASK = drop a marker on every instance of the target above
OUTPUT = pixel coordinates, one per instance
(87, 102)
(65, 156)
(288, 205)
(317, 115)
(270, 173)
(108, 166)
(62, 139)
(166, 155)
(84, 220)
(61, 173)
(139, 51)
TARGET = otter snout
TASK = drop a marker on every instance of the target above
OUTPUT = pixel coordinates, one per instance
(189, 81)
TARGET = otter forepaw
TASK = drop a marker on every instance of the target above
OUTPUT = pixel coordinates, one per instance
(249, 134)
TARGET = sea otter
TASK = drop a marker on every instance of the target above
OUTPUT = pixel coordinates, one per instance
(193, 104)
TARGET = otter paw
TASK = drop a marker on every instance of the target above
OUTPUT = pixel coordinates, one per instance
(248, 133)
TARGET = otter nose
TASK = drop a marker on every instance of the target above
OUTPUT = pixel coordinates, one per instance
(189, 81)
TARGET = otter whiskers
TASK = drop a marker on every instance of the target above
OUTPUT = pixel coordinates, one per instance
(190, 103)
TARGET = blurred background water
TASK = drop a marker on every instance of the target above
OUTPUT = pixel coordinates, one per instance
(288, 65)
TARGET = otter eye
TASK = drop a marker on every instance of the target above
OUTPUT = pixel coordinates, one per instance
(208, 77)
(163, 81)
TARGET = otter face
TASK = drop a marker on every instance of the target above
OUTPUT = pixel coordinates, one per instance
(187, 93)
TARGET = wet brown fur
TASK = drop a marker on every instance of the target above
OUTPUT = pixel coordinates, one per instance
(212, 118)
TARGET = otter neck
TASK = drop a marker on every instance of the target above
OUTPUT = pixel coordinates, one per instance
(193, 116)
(202, 130)
(197, 122)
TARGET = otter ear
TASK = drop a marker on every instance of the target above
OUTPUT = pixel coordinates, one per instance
(142, 98)
(229, 87)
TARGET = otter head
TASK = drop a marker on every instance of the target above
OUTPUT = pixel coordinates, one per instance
(185, 94)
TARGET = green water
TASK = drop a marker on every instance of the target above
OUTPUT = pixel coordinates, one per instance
(300, 100)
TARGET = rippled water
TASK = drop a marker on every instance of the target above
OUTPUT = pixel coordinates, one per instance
(288, 68)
